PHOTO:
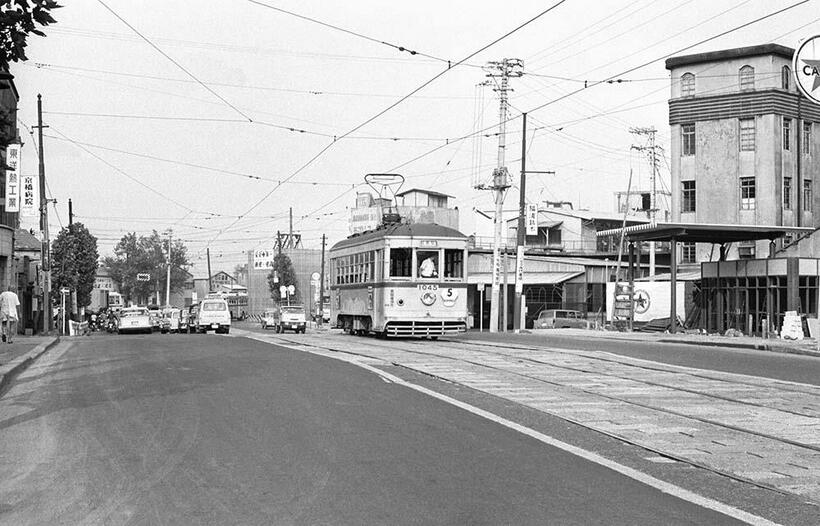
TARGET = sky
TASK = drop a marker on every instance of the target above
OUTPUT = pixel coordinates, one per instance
(213, 119)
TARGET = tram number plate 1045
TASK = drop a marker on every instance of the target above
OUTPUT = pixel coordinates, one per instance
(424, 286)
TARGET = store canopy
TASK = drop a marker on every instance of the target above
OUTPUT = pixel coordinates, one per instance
(530, 278)
(702, 233)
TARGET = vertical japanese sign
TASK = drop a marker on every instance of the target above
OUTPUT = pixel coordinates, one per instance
(13, 178)
(531, 218)
(30, 206)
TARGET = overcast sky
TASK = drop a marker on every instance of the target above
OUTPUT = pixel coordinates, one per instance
(138, 144)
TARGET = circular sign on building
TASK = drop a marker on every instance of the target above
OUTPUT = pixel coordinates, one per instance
(806, 66)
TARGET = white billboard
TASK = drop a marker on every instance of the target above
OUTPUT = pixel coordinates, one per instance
(652, 299)
(13, 178)
(263, 258)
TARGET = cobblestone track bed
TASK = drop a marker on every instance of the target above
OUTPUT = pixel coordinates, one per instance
(758, 430)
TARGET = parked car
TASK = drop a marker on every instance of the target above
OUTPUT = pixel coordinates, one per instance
(134, 319)
(214, 315)
(170, 320)
(290, 318)
(561, 319)
(156, 319)
(269, 318)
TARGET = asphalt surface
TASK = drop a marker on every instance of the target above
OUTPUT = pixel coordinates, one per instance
(766, 364)
(204, 429)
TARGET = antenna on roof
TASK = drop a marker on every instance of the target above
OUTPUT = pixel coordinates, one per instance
(386, 187)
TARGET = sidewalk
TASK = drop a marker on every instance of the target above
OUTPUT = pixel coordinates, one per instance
(14, 357)
(806, 347)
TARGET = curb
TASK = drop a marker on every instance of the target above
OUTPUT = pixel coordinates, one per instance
(19, 364)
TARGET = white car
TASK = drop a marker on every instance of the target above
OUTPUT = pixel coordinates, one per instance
(214, 316)
(269, 318)
(134, 319)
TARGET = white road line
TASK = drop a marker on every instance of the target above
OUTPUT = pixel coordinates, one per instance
(665, 487)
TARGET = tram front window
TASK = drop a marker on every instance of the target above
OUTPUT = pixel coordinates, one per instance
(428, 263)
(401, 262)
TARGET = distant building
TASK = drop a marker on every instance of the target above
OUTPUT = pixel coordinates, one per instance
(305, 262)
(8, 220)
(27, 250)
(745, 145)
(414, 206)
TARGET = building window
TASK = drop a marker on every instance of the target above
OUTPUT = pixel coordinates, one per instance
(688, 197)
(747, 193)
(787, 134)
(688, 135)
(747, 135)
(687, 85)
(688, 254)
(807, 195)
(806, 138)
(747, 78)
(746, 251)
(787, 193)
(785, 77)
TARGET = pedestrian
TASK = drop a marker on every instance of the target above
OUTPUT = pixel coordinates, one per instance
(9, 314)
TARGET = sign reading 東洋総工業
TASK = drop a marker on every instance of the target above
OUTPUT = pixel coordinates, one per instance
(806, 65)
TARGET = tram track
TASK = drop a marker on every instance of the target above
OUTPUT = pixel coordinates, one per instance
(753, 444)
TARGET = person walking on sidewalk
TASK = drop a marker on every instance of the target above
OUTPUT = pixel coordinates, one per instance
(9, 314)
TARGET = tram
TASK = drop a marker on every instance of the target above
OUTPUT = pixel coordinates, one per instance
(400, 279)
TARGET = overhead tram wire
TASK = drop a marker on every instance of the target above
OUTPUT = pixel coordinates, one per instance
(397, 47)
(494, 126)
(736, 28)
(667, 55)
(413, 92)
(121, 171)
(193, 165)
(177, 64)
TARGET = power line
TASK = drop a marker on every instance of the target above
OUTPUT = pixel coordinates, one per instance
(177, 64)
(397, 47)
(413, 92)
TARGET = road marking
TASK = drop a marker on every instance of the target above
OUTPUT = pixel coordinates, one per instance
(665, 487)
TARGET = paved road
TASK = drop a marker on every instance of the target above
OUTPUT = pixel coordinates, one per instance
(221, 430)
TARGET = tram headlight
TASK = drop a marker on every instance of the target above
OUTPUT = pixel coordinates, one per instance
(400, 303)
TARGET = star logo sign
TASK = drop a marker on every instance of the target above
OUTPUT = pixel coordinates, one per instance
(806, 67)
(811, 68)
(642, 301)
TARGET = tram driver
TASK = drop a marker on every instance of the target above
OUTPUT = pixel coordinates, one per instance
(427, 269)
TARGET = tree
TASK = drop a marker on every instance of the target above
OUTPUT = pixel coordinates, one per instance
(18, 19)
(240, 273)
(147, 255)
(283, 268)
(74, 262)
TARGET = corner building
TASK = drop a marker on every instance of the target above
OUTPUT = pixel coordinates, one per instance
(745, 145)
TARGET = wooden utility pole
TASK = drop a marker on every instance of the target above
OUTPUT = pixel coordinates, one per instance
(208, 253)
(322, 285)
(70, 213)
(44, 254)
(168, 276)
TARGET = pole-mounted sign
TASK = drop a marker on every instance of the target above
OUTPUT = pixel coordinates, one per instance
(806, 66)
(143, 276)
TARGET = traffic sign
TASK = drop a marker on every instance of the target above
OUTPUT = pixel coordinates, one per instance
(315, 276)
(291, 289)
(143, 276)
(65, 290)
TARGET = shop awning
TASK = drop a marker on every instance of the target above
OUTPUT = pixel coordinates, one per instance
(530, 278)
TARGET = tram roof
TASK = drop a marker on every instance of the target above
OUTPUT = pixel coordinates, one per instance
(401, 230)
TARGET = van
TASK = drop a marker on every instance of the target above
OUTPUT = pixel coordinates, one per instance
(561, 319)
(214, 315)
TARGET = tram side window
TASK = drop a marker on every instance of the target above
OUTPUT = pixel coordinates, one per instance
(428, 263)
(453, 263)
(401, 262)
(379, 261)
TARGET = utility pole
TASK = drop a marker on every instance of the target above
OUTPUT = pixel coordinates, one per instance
(208, 254)
(653, 208)
(522, 228)
(44, 254)
(168, 276)
(290, 235)
(70, 213)
(322, 285)
(506, 68)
